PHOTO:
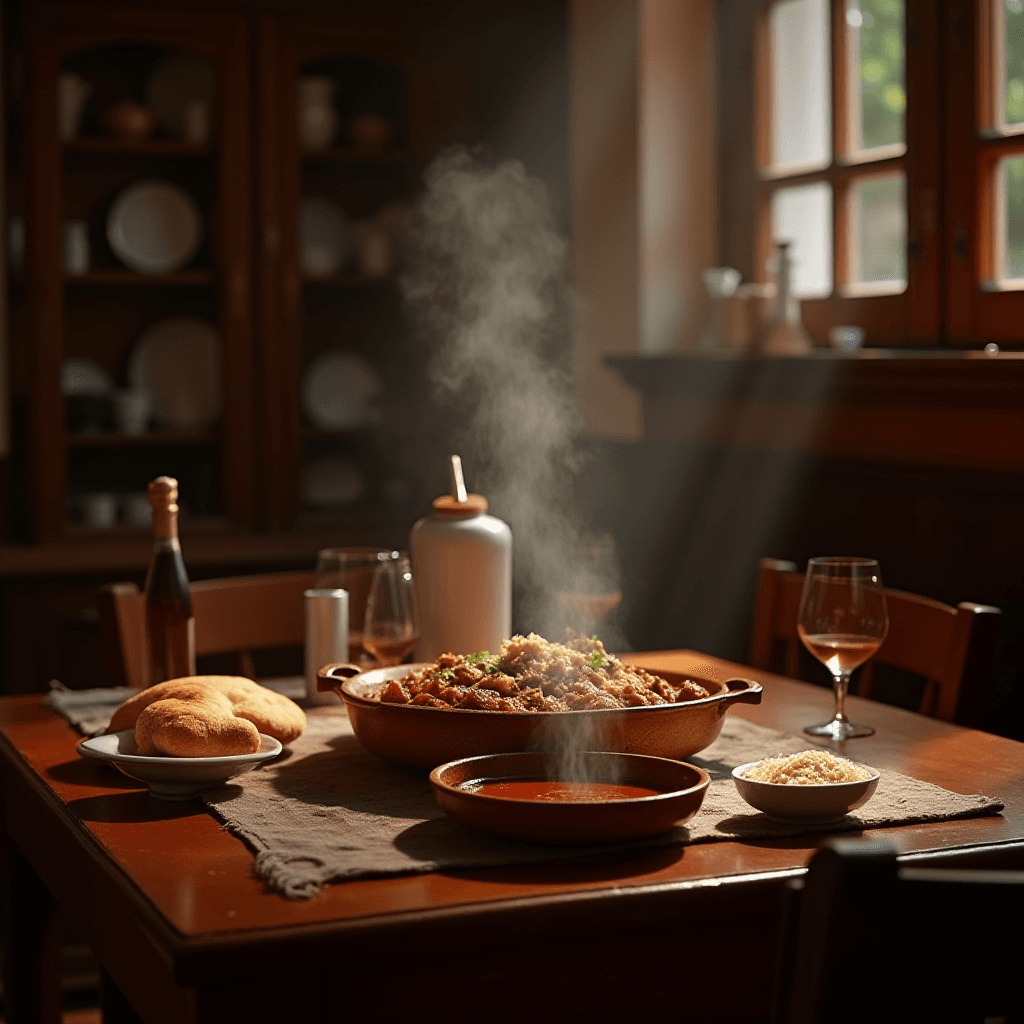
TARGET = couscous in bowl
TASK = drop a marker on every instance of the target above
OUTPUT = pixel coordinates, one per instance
(812, 787)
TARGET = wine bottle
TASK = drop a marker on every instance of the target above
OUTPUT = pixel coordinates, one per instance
(170, 625)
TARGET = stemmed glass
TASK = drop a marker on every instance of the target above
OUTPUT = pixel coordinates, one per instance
(391, 626)
(842, 622)
(351, 569)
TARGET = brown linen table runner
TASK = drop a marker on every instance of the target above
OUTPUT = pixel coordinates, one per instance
(329, 810)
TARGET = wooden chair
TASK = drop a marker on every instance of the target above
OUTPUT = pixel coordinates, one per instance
(950, 647)
(235, 615)
(865, 939)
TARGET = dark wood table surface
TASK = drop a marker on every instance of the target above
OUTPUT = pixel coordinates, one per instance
(171, 906)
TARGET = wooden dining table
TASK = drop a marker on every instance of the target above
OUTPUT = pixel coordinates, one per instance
(174, 912)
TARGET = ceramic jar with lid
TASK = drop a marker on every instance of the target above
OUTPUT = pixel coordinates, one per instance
(462, 565)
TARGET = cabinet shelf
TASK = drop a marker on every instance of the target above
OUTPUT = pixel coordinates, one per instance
(351, 280)
(190, 526)
(321, 434)
(118, 278)
(154, 147)
(115, 439)
(357, 155)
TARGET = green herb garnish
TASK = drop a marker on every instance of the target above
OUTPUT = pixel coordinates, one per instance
(596, 660)
(485, 660)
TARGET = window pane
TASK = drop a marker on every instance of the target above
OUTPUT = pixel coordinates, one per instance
(1012, 78)
(874, 34)
(878, 229)
(801, 103)
(803, 216)
(1010, 217)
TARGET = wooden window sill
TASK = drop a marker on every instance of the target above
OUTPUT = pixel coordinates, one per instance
(937, 408)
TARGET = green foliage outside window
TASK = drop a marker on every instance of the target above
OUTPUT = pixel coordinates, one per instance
(883, 92)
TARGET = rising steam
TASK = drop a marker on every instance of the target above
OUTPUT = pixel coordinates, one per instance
(489, 282)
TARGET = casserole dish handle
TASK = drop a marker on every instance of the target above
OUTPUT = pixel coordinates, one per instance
(331, 676)
(739, 691)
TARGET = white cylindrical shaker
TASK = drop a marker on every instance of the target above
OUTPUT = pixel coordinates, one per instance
(326, 637)
(462, 565)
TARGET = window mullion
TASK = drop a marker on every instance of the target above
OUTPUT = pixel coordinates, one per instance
(840, 145)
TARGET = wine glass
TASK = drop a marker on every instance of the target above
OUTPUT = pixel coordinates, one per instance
(391, 625)
(842, 622)
(350, 569)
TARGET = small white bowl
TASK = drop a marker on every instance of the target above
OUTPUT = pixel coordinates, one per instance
(805, 805)
(174, 778)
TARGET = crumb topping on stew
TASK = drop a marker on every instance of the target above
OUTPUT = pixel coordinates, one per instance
(533, 674)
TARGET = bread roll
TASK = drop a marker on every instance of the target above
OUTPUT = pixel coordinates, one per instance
(207, 716)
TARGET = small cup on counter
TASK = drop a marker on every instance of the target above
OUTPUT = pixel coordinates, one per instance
(136, 510)
(76, 247)
(196, 129)
(72, 93)
(99, 510)
(846, 338)
(132, 409)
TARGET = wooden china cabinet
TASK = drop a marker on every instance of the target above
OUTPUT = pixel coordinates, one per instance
(98, 314)
(243, 473)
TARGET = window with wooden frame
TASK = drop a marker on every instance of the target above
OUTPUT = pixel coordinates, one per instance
(985, 168)
(846, 161)
(886, 142)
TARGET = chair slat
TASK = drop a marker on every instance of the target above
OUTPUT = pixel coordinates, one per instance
(233, 615)
(950, 647)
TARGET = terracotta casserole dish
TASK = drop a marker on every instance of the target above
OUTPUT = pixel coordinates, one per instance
(427, 737)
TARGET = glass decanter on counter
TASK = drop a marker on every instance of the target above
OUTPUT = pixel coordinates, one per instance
(783, 334)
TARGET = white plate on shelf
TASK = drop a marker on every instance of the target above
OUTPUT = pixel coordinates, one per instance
(174, 84)
(177, 362)
(338, 391)
(174, 778)
(325, 238)
(84, 377)
(154, 227)
(332, 482)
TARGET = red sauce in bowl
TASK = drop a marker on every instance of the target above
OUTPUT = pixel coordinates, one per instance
(557, 791)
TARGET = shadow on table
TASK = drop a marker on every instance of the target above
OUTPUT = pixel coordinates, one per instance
(451, 845)
(91, 773)
(134, 806)
(587, 866)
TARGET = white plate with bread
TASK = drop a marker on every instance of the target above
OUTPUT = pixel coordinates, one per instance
(175, 778)
(191, 734)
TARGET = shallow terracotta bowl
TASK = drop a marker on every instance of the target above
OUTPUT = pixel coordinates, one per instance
(681, 792)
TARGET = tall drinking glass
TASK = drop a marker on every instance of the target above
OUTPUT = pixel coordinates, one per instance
(391, 626)
(351, 569)
(842, 622)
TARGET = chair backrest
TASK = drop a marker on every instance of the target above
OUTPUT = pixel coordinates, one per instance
(950, 647)
(235, 615)
(865, 939)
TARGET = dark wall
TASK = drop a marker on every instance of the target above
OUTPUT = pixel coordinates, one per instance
(692, 520)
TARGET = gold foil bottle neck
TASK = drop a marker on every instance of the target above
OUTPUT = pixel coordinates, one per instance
(163, 498)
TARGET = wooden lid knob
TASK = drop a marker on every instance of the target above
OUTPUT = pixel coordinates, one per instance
(474, 505)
